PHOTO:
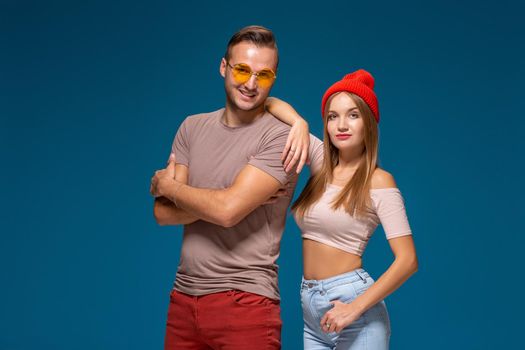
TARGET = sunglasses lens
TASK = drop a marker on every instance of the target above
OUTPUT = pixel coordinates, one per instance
(265, 78)
(241, 73)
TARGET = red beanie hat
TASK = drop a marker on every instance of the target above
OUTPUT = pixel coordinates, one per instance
(360, 83)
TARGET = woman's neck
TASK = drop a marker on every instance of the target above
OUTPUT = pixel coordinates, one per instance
(350, 159)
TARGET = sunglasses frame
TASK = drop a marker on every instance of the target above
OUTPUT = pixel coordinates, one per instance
(253, 73)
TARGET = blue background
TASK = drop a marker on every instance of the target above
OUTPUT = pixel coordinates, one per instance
(92, 93)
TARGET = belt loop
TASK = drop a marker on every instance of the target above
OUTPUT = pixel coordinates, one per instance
(360, 276)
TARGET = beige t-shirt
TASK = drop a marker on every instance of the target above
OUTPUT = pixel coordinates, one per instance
(215, 258)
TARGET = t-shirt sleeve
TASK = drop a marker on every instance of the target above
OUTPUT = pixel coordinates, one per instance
(315, 154)
(181, 146)
(390, 208)
(268, 157)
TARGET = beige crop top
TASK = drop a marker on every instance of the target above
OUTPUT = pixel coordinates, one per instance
(340, 230)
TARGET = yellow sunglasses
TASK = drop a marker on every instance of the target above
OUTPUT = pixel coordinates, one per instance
(242, 73)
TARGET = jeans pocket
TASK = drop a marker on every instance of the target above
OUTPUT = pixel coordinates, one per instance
(344, 292)
(176, 296)
(246, 299)
(362, 286)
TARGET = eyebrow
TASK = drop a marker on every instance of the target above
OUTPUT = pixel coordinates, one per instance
(350, 110)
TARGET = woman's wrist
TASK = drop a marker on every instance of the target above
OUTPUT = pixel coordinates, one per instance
(298, 120)
(358, 305)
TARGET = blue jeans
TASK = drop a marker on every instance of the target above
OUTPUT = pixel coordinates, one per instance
(371, 331)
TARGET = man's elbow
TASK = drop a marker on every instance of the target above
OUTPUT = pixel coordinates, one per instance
(163, 222)
(161, 216)
(229, 216)
(227, 220)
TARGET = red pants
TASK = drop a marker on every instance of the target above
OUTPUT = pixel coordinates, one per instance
(232, 320)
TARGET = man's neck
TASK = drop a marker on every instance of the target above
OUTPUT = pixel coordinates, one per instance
(234, 117)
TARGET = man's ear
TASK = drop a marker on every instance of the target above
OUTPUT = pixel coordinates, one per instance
(222, 68)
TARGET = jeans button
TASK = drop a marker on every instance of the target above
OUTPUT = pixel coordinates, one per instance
(310, 285)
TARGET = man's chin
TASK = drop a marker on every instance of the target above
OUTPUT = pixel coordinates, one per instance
(248, 106)
(237, 103)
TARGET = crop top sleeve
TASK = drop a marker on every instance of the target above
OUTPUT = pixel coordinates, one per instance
(390, 209)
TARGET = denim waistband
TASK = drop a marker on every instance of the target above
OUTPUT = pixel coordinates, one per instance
(348, 277)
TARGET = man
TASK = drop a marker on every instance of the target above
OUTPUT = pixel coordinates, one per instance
(228, 164)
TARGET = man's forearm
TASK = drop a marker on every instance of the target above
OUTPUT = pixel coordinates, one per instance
(224, 207)
(167, 213)
(215, 206)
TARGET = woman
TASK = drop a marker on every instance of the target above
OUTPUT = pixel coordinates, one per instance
(339, 209)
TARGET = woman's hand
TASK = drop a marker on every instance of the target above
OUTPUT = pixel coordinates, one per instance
(340, 316)
(298, 141)
(297, 145)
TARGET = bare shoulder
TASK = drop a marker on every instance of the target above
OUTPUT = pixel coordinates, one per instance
(382, 179)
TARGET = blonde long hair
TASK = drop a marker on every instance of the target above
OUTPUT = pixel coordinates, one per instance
(355, 195)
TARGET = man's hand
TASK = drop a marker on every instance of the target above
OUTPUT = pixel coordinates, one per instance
(162, 180)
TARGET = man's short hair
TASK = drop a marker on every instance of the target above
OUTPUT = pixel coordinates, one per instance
(258, 35)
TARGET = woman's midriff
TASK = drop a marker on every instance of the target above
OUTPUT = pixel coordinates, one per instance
(321, 261)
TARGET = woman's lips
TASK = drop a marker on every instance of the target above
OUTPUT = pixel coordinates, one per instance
(343, 136)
